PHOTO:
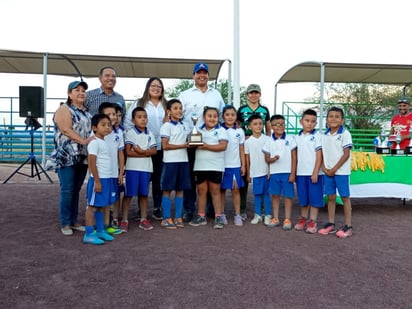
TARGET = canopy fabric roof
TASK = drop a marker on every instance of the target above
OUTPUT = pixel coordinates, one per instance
(89, 65)
(399, 74)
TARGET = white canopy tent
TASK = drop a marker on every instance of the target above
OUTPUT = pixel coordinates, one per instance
(26, 62)
(332, 72)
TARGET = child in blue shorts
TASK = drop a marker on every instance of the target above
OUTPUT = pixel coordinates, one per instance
(280, 154)
(257, 170)
(309, 177)
(336, 148)
(235, 166)
(175, 172)
(116, 146)
(140, 146)
(100, 189)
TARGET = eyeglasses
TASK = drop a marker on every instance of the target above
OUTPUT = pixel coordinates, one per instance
(277, 124)
(156, 86)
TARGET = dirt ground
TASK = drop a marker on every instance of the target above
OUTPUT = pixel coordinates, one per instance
(199, 267)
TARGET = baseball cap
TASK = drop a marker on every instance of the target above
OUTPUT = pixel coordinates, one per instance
(200, 66)
(76, 84)
(404, 100)
(253, 87)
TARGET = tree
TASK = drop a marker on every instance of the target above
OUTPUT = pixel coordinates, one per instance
(367, 106)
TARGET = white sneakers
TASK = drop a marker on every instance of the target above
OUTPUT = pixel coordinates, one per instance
(256, 219)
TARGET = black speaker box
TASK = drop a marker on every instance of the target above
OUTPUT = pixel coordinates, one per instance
(31, 101)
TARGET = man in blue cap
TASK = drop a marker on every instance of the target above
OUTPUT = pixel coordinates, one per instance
(194, 100)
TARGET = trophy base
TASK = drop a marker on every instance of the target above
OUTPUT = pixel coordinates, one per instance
(398, 151)
(383, 150)
(195, 139)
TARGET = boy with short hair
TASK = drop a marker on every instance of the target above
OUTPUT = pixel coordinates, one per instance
(100, 189)
(280, 154)
(140, 146)
(116, 146)
(336, 148)
(309, 177)
(257, 170)
(175, 172)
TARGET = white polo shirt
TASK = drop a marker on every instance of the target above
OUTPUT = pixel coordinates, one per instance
(194, 101)
(333, 146)
(177, 134)
(307, 147)
(104, 161)
(207, 160)
(236, 138)
(145, 140)
(254, 147)
(282, 147)
(116, 143)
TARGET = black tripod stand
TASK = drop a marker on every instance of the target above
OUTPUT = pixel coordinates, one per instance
(35, 165)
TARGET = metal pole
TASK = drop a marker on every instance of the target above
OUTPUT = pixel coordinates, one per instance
(322, 84)
(43, 144)
(236, 55)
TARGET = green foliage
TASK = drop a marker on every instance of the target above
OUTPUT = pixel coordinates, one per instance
(366, 106)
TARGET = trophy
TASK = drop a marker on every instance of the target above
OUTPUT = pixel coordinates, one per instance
(409, 147)
(382, 137)
(383, 147)
(397, 139)
(195, 137)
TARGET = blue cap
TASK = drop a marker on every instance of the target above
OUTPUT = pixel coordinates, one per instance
(200, 66)
(76, 84)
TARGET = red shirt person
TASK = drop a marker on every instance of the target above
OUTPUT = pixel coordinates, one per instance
(402, 122)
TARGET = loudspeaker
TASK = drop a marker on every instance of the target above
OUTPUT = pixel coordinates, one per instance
(31, 101)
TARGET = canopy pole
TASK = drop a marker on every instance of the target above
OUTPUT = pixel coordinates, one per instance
(43, 144)
(322, 84)
(236, 55)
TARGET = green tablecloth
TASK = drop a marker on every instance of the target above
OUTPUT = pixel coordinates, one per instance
(398, 169)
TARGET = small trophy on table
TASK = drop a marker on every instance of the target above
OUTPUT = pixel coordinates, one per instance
(397, 140)
(409, 147)
(195, 137)
(383, 147)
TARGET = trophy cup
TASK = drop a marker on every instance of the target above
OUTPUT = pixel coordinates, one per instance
(195, 137)
(383, 147)
(409, 147)
(398, 139)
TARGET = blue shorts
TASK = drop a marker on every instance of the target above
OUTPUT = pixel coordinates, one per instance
(230, 176)
(137, 183)
(104, 198)
(309, 193)
(279, 184)
(175, 176)
(337, 182)
(260, 185)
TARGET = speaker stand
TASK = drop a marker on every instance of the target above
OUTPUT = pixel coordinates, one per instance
(35, 165)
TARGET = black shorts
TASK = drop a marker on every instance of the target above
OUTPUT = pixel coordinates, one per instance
(213, 176)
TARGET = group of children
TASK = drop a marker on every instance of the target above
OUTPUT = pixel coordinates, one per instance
(319, 163)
